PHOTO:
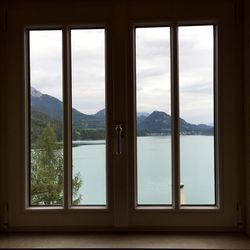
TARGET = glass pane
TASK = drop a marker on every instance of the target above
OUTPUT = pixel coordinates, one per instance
(196, 76)
(88, 117)
(46, 118)
(153, 116)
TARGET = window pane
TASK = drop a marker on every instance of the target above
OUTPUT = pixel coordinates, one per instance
(196, 76)
(46, 118)
(88, 117)
(153, 116)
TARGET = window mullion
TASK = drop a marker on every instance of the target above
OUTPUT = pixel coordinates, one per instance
(67, 116)
(175, 117)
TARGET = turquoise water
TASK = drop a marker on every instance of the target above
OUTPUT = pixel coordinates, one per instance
(154, 170)
(89, 160)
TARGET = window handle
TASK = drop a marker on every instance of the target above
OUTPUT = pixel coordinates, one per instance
(119, 133)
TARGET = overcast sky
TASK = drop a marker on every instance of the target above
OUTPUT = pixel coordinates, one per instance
(152, 69)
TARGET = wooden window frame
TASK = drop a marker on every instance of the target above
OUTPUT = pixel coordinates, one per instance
(122, 212)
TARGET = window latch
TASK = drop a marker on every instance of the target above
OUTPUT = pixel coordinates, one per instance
(119, 134)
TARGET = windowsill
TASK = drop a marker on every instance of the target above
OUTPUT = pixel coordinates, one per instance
(126, 240)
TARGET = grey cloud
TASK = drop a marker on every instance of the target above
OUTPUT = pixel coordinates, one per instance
(153, 64)
(152, 72)
(205, 88)
(80, 54)
(153, 49)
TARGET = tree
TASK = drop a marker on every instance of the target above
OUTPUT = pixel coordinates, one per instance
(47, 171)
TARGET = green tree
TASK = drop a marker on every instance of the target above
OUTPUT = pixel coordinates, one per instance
(47, 171)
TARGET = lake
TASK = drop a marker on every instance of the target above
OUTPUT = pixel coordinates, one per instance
(153, 171)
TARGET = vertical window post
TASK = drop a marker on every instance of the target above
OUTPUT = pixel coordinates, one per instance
(175, 116)
(67, 117)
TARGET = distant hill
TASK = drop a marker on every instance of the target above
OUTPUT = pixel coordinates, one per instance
(160, 123)
(140, 119)
(53, 107)
(100, 114)
(39, 121)
(146, 114)
(48, 109)
(156, 122)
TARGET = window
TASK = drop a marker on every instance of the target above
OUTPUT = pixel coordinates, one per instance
(153, 88)
(196, 95)
(46, 118)
(123, 118)
(88, 118)
(88, 93)
(154, 118)
(154, 115)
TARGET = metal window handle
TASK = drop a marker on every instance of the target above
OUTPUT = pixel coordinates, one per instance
(119, 132)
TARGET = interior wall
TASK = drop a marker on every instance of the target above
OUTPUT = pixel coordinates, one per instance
(247, 108)
(4, 115)
(3, 88)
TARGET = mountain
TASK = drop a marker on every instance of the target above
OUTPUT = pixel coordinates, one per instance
(53, 108)
(156, 122)
(39, 121)
(146, 114)
(188, 128)
(140, 118)
(160, 123)
(35, 93)
(48, 109)
(100, 114)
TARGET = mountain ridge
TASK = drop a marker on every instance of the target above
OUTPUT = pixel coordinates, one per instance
(49, 108)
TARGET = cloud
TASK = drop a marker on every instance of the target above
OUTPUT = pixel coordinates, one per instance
(88, 66)
(88, 70)
(200, 88)
(46, 62)
(152, 69)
